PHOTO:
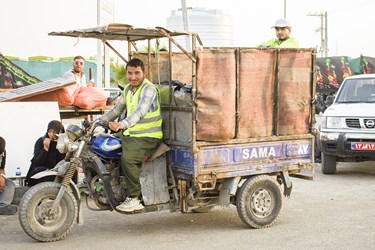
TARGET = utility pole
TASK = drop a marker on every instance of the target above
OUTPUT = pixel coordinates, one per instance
(186, 24)
(323, 32)
(105, 15)
(326, 34)
(284, 8)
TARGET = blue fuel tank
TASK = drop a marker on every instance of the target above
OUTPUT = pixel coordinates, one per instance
(106, 146)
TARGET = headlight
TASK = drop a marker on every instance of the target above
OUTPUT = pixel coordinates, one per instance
(334, 122)
(73, 146)
(64, 144)
(74, 132)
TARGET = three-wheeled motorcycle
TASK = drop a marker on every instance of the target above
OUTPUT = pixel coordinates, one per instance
(235, 131)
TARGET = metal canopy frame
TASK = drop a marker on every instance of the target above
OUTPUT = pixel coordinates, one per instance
(126, 32)
(122, 32)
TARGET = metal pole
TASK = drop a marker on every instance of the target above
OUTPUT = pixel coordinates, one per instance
(326, 34)
(186, 24)
(99, 54)
(323, 33)
(322, 44)
(284, 8)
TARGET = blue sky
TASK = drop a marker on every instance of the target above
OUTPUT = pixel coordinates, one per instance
(25, 24)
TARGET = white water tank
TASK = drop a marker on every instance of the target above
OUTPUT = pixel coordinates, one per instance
(213, 26)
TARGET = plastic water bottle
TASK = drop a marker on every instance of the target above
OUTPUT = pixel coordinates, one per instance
(18, 176)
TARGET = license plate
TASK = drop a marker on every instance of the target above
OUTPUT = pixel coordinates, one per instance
(363, 146)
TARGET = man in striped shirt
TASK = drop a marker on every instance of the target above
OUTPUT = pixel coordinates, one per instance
(141, 129)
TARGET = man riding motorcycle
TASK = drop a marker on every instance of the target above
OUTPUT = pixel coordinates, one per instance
(141, 129)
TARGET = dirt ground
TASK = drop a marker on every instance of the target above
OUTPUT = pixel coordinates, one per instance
(331, 212)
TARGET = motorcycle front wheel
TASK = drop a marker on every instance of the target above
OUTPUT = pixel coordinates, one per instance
(37, 218)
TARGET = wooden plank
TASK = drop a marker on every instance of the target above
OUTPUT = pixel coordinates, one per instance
(68, 112)
(35, 89)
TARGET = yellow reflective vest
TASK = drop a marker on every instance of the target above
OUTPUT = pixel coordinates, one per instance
(151, 124)
(291, 42)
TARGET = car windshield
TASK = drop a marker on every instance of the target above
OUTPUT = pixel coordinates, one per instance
(357, 90)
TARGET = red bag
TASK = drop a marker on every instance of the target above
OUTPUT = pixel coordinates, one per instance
(90, 97)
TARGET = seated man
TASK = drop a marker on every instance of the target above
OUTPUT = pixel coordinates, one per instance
(283, 38)
(77, 73)
(85, 97)
(7, 186)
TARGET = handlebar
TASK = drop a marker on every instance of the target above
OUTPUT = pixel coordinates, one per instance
(98, 123)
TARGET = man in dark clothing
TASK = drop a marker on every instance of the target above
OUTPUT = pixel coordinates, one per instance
(7, 186)
(46, 156)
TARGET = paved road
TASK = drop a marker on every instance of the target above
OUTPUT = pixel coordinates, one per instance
(332, 212)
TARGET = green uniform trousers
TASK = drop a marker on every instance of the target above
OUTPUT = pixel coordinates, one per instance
(134, 150)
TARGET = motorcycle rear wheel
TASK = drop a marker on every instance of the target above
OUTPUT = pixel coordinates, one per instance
(35, 214)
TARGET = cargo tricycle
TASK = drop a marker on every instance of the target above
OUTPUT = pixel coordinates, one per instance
(237, 123)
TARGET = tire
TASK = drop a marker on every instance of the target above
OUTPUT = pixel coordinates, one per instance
(97, 195)
(35, 206)
(259, 202)
(328, 164)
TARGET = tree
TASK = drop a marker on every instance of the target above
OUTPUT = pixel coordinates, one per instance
(119, 74)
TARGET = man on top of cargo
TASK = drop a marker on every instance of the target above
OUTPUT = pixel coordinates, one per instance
(141, 130)
(283, 38)
(77, 74)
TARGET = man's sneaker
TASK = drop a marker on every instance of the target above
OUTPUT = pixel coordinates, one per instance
(130, 205)
(8, 209)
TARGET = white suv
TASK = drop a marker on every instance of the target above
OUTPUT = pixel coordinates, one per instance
(347, 130)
